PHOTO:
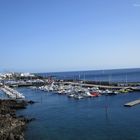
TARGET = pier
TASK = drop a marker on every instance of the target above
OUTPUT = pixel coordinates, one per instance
(133, 103)
(101, 86)
(11, 93)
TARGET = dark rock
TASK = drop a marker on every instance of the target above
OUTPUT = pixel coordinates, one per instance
(11, 126)
(31, 102)
(30, 120)
(11, 137)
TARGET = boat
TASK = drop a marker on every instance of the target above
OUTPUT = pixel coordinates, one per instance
(78, 97)
(95, 94)
(71, 95)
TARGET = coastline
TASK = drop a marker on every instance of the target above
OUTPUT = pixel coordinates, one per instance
(53, 111)
(12, 126)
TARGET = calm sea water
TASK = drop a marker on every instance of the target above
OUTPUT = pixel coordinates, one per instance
(62, 118)
(103, 118)
(119, 75)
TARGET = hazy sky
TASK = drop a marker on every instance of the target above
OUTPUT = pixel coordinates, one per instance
(65, 35)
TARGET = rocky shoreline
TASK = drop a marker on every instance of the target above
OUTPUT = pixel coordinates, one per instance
(12, 126)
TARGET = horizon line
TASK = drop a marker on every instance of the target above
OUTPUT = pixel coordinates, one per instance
(107, 69)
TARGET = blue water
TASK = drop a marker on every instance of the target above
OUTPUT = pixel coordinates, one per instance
(62, 118)
(120, 75)
(2, 95)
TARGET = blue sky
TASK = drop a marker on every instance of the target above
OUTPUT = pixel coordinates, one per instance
(69, 35)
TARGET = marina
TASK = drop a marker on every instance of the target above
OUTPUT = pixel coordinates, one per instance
(59, 117)
(63, 107)
(80, 91)
(77, 89)
(70, 70)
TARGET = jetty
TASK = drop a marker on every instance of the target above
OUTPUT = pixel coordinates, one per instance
(11, 93)
(99, 86)
(133, 103)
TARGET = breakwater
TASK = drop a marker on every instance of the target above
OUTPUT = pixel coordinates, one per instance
(133, 86)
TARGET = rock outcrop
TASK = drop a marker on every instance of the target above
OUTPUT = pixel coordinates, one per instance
(11, 126)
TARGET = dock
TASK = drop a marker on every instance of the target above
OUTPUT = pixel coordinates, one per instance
(11, 93)
(133, 103)
(99, 86)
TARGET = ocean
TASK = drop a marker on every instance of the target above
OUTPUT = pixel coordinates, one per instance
(102, 118)
(119, 75)
(62, 118)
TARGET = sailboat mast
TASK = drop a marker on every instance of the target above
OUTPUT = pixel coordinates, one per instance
(126, 80)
